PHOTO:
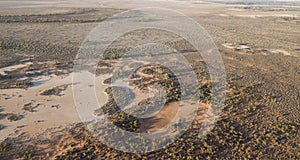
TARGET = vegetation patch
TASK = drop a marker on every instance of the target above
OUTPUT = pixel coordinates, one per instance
(56, 91)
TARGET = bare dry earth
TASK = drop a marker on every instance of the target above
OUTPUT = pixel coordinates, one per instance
(273, 77)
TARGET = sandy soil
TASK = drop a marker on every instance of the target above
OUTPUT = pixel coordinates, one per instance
(240, 49)
(50, 111)
(12, 68)
(60, 111)
(43, 112)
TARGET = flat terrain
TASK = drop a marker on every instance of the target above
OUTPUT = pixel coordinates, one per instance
(259, 44)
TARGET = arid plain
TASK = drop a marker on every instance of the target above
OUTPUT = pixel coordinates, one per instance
(259, 44)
